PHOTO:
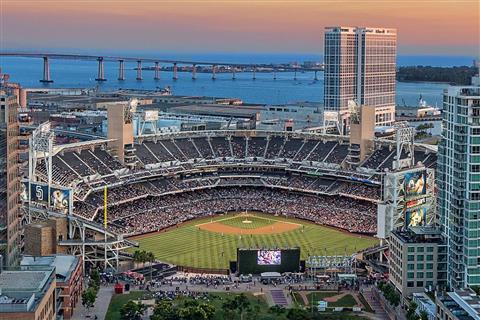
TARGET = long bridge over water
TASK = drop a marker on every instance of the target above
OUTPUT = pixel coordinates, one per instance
(156, 65)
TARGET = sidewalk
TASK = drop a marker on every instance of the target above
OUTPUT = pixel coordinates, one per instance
(101, 305)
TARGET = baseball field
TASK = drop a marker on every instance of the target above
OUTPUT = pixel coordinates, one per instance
(212, 242)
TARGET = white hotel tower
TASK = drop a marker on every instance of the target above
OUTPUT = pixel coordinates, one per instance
(360, 64)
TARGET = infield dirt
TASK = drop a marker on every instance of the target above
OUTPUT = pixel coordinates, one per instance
(276, 227)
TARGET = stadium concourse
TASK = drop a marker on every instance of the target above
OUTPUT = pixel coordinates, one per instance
(181, 176)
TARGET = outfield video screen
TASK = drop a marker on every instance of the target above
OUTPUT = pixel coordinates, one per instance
(269, 257)
(415, 184)
(416, 217)
(256, 261)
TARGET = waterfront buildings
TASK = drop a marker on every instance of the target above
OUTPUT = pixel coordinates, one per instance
(9, 179)
(69, 279)
(458, 181)
(360, 64)
(458, 305)
(28, 293)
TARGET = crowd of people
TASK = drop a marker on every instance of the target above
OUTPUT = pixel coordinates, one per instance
(120, 197)
(156, 213)
(175, 294)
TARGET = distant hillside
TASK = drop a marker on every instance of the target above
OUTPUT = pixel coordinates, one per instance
(454, 75)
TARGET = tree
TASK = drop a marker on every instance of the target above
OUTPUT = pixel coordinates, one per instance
(241, 303)
(208, 309)
(276, 310)
(389, 293)
(140, 256)
(228, 308)
(297, 314)
(164, 310)
(192, 313)
(132, 311)
(88, 298)
(150, 257)
(410, 314)
(94, 279)
(423, 315)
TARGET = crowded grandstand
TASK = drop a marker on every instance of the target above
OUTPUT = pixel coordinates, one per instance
(169, 179)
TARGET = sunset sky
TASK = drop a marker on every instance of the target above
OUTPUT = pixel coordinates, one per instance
(430, 27)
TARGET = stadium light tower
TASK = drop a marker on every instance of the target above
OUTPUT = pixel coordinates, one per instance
(404, 137)
(40, 145)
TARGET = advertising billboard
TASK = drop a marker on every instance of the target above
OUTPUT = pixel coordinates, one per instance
(59, 199)
(416, 217)
(150, 115)
(415, 185)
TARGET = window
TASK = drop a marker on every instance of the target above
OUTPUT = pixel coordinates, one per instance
(429, 266)
(410, 275)
(411, 257)
(430, 275)
(420, 249)
(419, 283)
(429, 257)
(429, 249)
(419, 274)
(411, 249)
(410, 284)
(420, 266)
(410, 266)
(420, 257)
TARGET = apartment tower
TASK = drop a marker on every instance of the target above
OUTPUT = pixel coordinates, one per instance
(458, 181)
(9, 180)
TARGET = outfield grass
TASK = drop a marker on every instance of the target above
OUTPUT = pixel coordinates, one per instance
(188, 245)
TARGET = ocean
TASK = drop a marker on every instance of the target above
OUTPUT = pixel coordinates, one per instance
(81, 74)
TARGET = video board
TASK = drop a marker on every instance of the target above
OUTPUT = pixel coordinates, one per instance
(59, 199)
(269, 257)
(256, 261)
(415, 185)
(416, 217)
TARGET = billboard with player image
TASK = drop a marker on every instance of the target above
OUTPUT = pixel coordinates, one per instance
(269, 257)
(415, 184)
(59, 199)
(416, 217)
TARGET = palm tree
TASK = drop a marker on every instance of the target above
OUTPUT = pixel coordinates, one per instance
(137, 256)
(150, 257)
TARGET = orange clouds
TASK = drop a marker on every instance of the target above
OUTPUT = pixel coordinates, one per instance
(238, 25)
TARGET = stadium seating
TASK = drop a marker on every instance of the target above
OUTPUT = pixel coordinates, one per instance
(306, 172)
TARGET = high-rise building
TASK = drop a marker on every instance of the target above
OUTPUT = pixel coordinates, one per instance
(360, 65)
(9, 180)
(458, 181)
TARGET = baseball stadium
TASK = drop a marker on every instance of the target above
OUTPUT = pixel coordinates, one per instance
(193, 198)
